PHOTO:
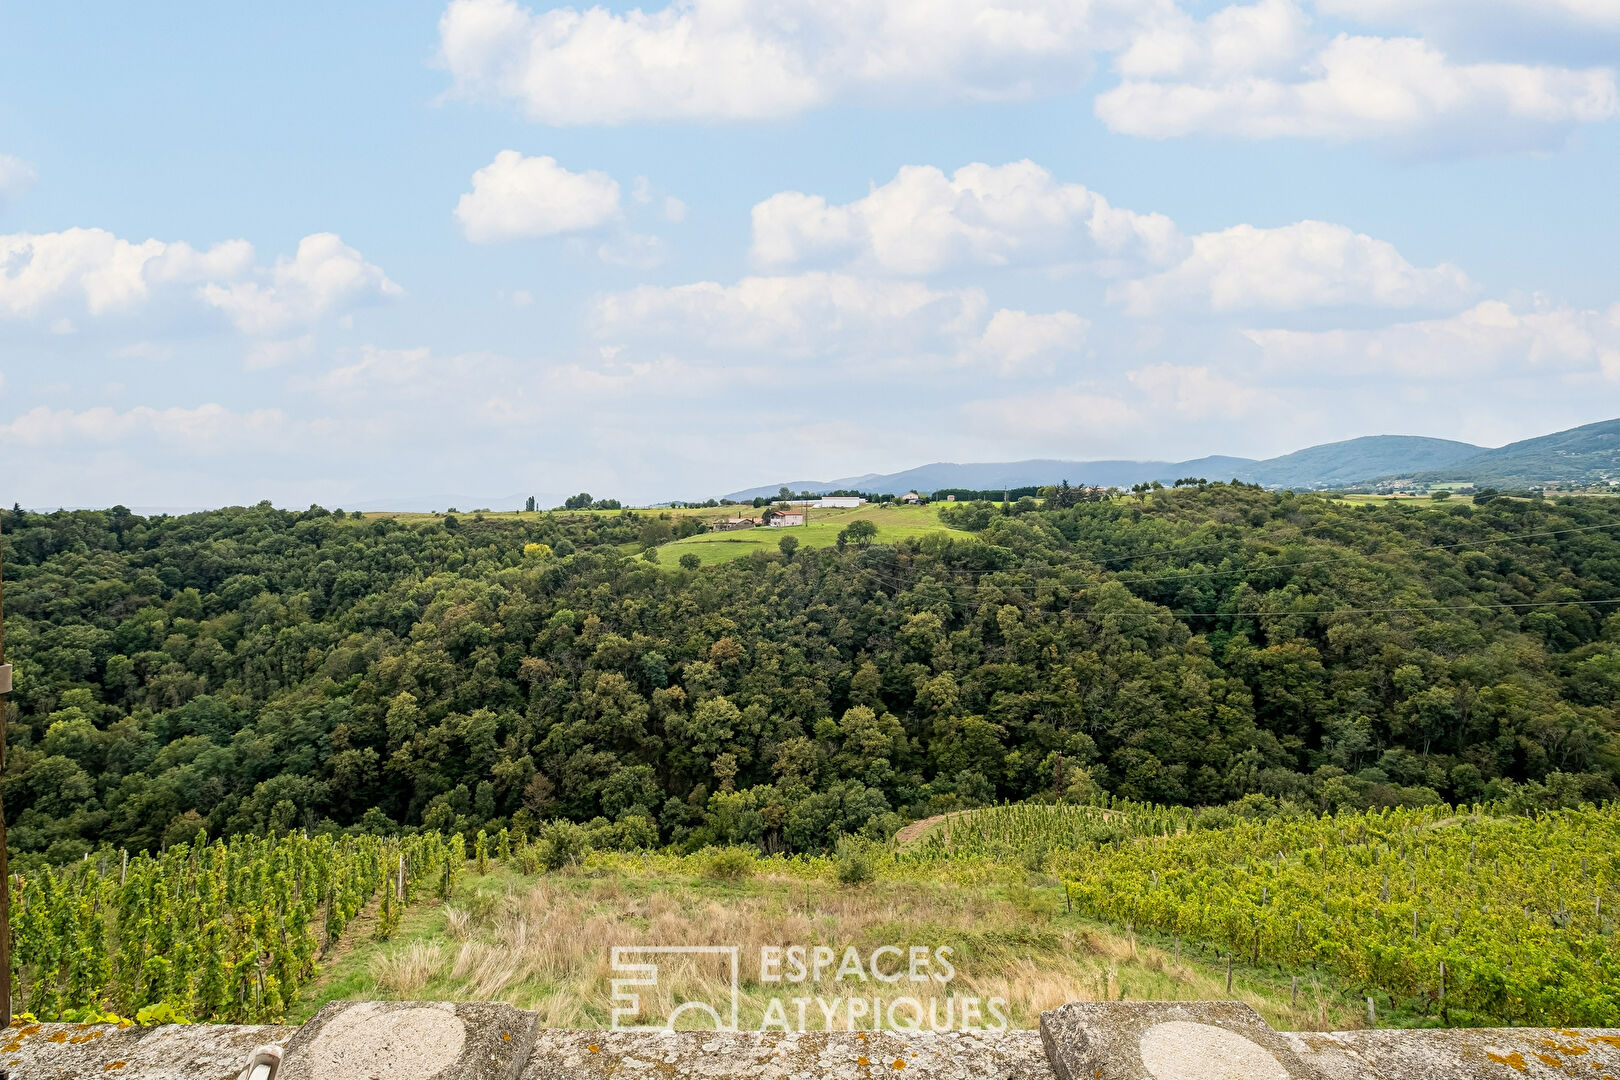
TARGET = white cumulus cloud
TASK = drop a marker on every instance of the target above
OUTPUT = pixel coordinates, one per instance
(924, 221)
(324, 276)
(1018, 341)
(55, 276)
(521, 197)
(1310, 264)
(724, 60)
(1258, 71)
(1489, 337)
(98, 272)
(821, 315)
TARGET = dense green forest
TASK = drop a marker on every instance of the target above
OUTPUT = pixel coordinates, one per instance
(254, 669)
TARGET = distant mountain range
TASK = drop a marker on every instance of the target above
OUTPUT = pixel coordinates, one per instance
(1582, 454)
(1585, 454)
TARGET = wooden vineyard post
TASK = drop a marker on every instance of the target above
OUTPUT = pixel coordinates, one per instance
(1229, 973)
(5, 862)
(1443, 1017)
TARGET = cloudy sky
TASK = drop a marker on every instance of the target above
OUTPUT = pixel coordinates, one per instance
(343, 253)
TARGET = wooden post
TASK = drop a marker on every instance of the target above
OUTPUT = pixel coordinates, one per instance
(1293, 992)
(1228, 973)
(1372, 1014)
(1442, 990)
(5, 862)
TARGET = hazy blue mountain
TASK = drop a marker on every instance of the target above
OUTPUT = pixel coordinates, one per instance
(1338, 464)
(1356, 461)
(1583, 454)
(1011, 474)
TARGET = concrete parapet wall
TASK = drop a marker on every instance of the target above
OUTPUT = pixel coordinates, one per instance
(774, 1055)
(1082, 1041)
(169, 1052)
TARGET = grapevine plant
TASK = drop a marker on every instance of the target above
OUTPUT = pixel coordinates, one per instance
(1465, 914)
(224, 932)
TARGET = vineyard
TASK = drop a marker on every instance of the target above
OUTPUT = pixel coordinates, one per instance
(1461, 916)
(226, 932)
(1456, 914)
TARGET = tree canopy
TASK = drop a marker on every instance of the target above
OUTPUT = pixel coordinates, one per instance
(251, 669)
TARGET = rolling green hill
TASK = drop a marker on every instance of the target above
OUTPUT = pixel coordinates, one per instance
(1357, 460)
(1580, 455)
(1586, 454)
(894, 523)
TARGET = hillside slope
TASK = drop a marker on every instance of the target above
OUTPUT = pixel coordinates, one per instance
(1584, 454)
(986, 476)
(1357, 460)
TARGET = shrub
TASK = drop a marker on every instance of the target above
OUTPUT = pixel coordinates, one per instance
(528, 859)
(562, 843)
(854, 863)
(729, 863)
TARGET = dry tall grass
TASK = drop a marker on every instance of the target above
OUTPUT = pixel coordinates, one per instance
(405, 971)
(546, 944)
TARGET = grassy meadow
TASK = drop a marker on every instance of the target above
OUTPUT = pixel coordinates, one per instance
(894, 523)
(1409, 500)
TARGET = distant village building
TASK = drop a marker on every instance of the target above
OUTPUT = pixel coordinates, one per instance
(787, 519)
(728, 524)
(911, 497)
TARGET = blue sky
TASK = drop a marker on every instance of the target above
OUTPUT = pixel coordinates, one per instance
(347, 253)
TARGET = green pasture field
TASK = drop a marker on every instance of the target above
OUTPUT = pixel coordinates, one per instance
(894, 523)
(1409, 500)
